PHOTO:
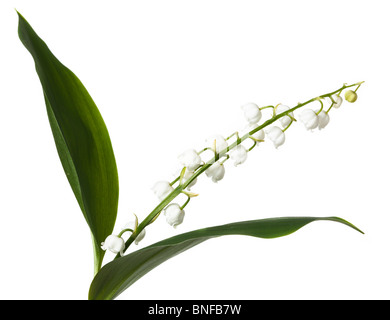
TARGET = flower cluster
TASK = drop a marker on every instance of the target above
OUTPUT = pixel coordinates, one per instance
(192, 162)
(313, 119)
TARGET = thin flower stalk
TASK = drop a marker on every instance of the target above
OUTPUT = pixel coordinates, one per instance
(180, 188)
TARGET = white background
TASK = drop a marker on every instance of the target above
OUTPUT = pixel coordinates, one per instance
(166, 75)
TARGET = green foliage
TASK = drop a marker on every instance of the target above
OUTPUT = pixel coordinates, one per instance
(86, 154)
(81, 138)
(118, 275)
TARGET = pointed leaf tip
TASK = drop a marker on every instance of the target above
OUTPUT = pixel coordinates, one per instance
(118, 275)
(81, 137)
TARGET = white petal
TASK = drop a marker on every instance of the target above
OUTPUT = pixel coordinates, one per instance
(259, 135)
(252, 112)
(276, 135)
(174, 214)
(140, 236)
(216, 172)
(114, 243)
(188, 174)
(162, 189)
(131, 225)
(323, 120)
(338, 101)
(286, 120)
(220, 143)
(190, 159)
(309, 118)
(238, 154)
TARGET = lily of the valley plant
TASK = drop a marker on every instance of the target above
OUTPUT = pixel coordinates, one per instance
(86, 154)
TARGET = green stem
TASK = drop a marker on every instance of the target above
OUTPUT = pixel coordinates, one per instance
(185, 203)
(150, 218)
(262, 108)
(327, 111)
(205, 149)
(288, 126)
(254, 145)
(125, 230)
(182, 173)
(322, 107)
(232, 135)
(226, 158)
(174, 181)
(360, 83)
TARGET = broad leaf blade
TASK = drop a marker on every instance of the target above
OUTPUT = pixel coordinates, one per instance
(81, 138)
(118, 275)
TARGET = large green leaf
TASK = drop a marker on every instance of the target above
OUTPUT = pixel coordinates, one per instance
(81, 138)
(118, 275)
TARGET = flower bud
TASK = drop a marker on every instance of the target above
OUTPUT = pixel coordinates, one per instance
(309, 118)
(286, 120)
(217, 141)
(323, 120)
(114, 243)
(190, 159)
(276, 135)
(252, 112)
(174, 214)
(161, 189)
(350, 96)
(216, 172)
(238, 154)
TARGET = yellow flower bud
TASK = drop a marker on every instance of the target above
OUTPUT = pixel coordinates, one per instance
(350, 96)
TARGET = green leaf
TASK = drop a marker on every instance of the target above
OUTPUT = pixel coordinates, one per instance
(118, 275)
(81, 138)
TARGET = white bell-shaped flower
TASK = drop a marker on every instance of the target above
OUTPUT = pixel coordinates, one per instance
(218, 142)
(309, 118)
(190, 159)
(323, 119)
(276, 135)
(114, 244)
(132, 224)
(174, 215)
(252, 112)
(238, 154)
(161, 189)
(258, 135)
(188, 174)
(286, 120)
(216, 171)
(337, 101)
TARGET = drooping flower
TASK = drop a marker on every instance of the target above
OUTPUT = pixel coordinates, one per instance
(258, 135)
(161, 189)
(286, 120)
(323, 119)
(133, 225)
(309, 118)
(190, 159)
(216, 171)
(218, 142)
(188, 174)
(238, 154)
(337, 101)
(252, 112)
(174, 214)
(114, 244)
(276, 135)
